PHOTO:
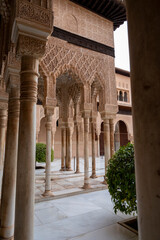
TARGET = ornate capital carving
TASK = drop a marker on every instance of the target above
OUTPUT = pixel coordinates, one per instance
(30, 46)
(48, 124)
(86, 114)
(13, 61)
(49, 111)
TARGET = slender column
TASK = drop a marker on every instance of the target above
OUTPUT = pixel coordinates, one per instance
(3, 121)
(24, 216)
(53, 136)
(62, 149)
(69, 149)
(77, 149)
(106, 143)
(93, 152)
(48, 156)
(7, 212)
(144, 32)
(111, 137)
(66, 160)
(86, 157)
(98, 148)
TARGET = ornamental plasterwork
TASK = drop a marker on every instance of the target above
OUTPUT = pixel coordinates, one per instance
(35, 13)
(61, 57)
(29, 46)
(13, 60)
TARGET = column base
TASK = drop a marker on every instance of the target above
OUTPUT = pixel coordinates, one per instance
(86, 186)
(93, 175)
(63, 169)
(69, 169)
(104, 182)
(78, 171)
(47, 193)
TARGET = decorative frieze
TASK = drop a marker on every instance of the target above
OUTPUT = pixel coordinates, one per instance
(32, 12)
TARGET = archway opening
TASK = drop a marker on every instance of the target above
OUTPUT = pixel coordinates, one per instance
(121, 135)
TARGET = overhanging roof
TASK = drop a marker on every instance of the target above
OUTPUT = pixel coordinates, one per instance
(113, 10)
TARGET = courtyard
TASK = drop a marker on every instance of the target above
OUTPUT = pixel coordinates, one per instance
(88, 216)
(67, 183)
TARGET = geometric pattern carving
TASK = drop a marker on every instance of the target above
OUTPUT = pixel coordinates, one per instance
(32, 12)
(60, 58)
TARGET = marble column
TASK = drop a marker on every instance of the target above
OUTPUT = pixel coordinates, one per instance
(53, 136)
(48, 186)
(66, 157)
(24, 215)
(144, 32)
(69, 149)
(106, 143)
(86, 156)
(62, 149)
(7, 210)
(111, 124)
(93, 151)
(98, 147)
(3, 122)
(77, 148)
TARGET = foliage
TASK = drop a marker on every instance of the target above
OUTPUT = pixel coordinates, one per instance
(41, 153)
(121, 180)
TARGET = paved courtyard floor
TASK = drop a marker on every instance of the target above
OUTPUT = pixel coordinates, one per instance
(86, 216)
(65, 183)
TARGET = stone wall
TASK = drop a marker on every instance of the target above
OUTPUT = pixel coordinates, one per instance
(78, 20)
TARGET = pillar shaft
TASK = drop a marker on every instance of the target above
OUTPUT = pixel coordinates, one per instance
(7, 213)
(69, 149)
(3, 120)
(93, 152)
(77, 149)
(106, 142)
(111, 123)
(98, 147)
(144, 32)
(86, 157)
(62, 149)
(24, 216)
(66, 159)
(48, 155)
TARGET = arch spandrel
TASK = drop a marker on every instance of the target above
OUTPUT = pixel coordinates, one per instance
(60, 54)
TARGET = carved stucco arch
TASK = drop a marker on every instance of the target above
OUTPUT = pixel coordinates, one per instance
(61, 55)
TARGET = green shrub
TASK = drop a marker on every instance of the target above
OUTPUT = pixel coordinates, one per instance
(121, 180)
(41, 153)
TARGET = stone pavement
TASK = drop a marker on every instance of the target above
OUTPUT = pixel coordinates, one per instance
(66, 183)
(87, 216)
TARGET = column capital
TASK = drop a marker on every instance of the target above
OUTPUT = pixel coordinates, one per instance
(86, 113)
(49, 110)
(106, 115)
(109, 109)
(33, 24)
(30, 46)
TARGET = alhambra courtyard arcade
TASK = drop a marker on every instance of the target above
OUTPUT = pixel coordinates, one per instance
(74, 74)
